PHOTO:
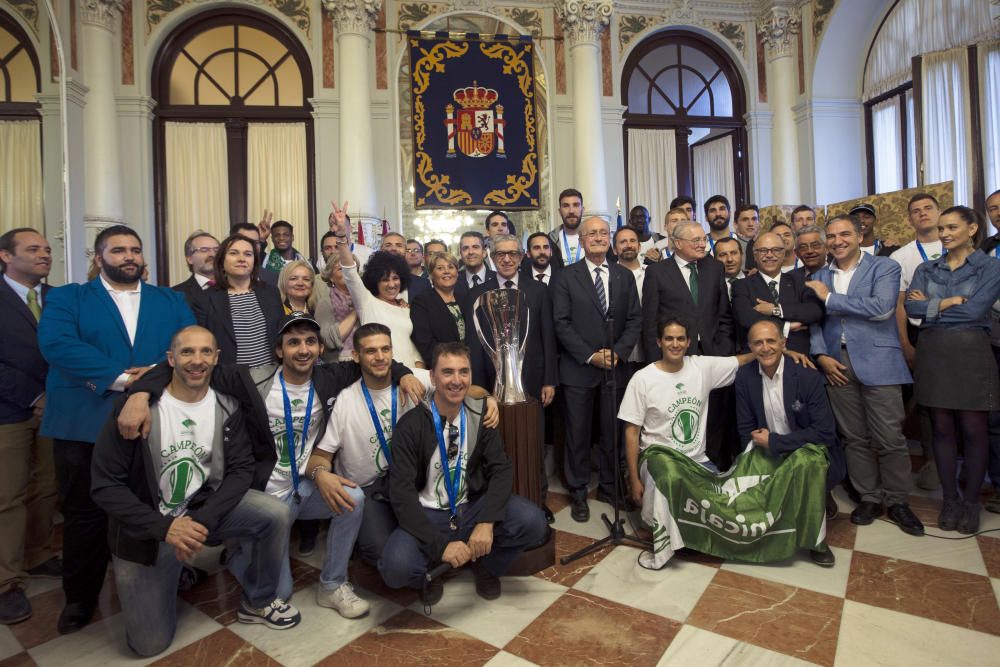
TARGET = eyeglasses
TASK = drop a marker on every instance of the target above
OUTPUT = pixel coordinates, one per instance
(452, 441)
(509, 254)
(815, 245)
(414, 251)
(698, 240)
(598, 234)
(205, 249)
(769, 251)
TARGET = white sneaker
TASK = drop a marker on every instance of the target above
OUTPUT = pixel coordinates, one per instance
(344, 600)
(279, 615)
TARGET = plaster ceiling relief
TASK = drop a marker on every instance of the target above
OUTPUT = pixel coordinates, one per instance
(411, 14)
(734, 32)
(529, 19)
(297, 11)
(631, 25)
(822, 10)
(28, 9)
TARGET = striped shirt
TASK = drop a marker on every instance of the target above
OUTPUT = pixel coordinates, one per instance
(250, 328)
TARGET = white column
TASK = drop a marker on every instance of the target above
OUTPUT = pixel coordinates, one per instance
(778, 26)
(103, 193)
(354, 21)
(582, 23)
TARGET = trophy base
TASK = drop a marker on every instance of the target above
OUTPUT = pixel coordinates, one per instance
(535, 560)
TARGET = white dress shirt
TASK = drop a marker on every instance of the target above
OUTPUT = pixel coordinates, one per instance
(481, 273)
(127, 302)
(730, 281)
(22, 290)
(682, 264)
(774, 400)
(503, 281)
(202, 280)
(841, 283)
(591, 267)
(546, 274)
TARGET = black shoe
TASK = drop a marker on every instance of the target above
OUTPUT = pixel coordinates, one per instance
(308, 532)
(865, 513)
(823, 557)
(487, 584)
(951, 512)
(901, 515)
(50, 569)
(432, 591)
(307, 545)
(75, 616)
(579, 510)
(549, 517)
(968, 524)
(831, 506)
(14, 606)
(852, 493)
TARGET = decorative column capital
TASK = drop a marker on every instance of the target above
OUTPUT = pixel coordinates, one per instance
(353, 16)
(583, 20)
(100, 13)
(777, 26)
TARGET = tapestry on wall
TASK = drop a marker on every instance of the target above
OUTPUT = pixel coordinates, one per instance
(473, 121)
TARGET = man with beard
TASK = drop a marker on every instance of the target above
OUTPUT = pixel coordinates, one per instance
(686, 204)
(729, 253)
(747, 225)
(627, 246)
(98, 338)
(810, 250)
(199, 251)
(185, 485)
(539, 259)
(651, 244)
(717, 216)
(566, 246)
(866, 215)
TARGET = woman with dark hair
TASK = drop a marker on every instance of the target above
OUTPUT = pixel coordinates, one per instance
(242, 311)
(376, 297)
(438, 316)
(956, 373)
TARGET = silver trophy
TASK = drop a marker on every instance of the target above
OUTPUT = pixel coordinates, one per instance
(502, 310)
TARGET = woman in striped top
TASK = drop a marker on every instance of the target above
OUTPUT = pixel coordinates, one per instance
(242, 311)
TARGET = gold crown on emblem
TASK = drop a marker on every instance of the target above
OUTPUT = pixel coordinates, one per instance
(475, 97)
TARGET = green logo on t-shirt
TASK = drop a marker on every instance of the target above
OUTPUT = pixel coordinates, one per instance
(685, 426)
(441, 493)
(182, 476)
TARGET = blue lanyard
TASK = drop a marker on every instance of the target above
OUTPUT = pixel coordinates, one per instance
(923, 253)
(451, 484)
(290, 432)
(667, 254)
(576, 253)
(382, 443)
(877, 246)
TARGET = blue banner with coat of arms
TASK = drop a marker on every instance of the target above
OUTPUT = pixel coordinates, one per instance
(473, 121)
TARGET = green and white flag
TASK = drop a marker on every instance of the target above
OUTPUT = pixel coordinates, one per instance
(760, 511)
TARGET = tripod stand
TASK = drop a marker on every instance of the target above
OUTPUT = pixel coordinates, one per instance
(616, 526)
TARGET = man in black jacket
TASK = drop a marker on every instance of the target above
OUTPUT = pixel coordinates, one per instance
(460, 512)
(199, 492)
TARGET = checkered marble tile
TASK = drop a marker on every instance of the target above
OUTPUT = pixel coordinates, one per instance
(891, 599)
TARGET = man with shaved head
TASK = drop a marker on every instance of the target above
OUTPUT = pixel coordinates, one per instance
(184, 485)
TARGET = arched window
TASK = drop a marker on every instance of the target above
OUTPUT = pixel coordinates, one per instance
(20, 129)
(683, 92)
(234, 133)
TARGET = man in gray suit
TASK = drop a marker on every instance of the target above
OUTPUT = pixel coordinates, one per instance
(858, 349)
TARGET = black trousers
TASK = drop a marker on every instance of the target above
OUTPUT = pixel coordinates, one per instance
(85, 529)
(582, 403)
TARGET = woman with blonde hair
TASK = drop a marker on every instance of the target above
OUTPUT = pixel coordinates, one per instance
(335, 313)
(438, 315)
(296, 284)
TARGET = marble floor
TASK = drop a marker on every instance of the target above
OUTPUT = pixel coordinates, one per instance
(892, 599)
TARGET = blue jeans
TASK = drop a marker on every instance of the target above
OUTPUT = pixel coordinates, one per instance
(339, 539)
(148, 593)
(404, 564)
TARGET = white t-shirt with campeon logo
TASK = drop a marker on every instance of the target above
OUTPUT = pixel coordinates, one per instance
(185, 452)
(672, 408)
(280, 483)
(434, 495)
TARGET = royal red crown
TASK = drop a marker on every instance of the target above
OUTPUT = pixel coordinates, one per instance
(475, 97)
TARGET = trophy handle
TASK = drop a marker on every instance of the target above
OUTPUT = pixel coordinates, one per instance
(527, 327)
(479, 331)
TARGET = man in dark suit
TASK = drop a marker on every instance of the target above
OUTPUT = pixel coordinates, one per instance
(538, 262)
(779, 297)
(782, 406)
(199, 251)
(586, 296)
(98, 338)
(472, 248)
(27, 477)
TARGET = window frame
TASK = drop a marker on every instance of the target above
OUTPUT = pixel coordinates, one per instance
(20, 110)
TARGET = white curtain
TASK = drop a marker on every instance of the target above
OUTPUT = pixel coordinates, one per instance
(911, 142)
(946, 131)
(886, 147)
(20, 175)
(921, 26)
(652, 172)
(276, 176)
(712, 167)
(197, 187)
(989, 87)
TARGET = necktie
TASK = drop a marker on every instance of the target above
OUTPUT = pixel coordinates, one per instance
(33, 304)
(541, 277)
(476, 280)
(693, 282)
(602, 296)
(210, 283)
(509, 284)
(773, 286)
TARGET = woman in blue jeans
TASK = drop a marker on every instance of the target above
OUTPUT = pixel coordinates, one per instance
(956, 373)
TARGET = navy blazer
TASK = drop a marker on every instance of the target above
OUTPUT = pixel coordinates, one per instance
(581, 327)
(211, 308)
(22, 366)
(798, 304)
(83, 337)
(807, 410)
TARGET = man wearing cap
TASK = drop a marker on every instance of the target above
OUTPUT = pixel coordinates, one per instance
(288, 408)
(867, 215)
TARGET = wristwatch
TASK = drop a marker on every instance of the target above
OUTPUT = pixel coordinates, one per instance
(776, 311)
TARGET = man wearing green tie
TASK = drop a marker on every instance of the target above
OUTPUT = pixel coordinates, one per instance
(27, 477)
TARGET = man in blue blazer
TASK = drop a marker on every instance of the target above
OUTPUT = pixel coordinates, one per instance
(858, 349)
(98, 338)
(782, 406)
(27, 477)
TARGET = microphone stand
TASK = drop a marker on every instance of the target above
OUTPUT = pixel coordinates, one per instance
(616, 527)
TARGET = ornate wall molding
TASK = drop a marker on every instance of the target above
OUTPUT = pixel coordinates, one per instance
(100, 13)
(682, 12)
(357, 17)
(583, 20)
(297, 11)
(777, 26)
(28, 9)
